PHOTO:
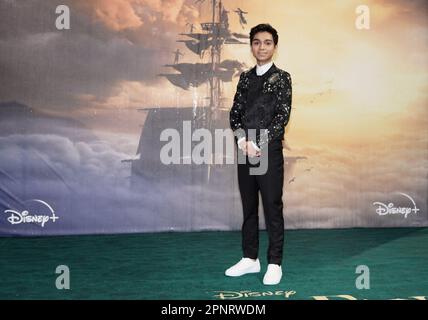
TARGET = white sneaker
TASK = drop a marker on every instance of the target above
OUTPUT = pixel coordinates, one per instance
(273, 274)
(246, 265)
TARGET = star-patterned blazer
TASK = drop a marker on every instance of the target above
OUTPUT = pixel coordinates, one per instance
(268, 108)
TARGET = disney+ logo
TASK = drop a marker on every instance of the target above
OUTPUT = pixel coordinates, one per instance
(24, 216)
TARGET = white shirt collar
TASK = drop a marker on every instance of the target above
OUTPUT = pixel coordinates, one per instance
(260, 70)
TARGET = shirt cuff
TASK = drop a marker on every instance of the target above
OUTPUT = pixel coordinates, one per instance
(239, 141)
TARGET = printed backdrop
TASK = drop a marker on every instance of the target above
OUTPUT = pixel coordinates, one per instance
(87, 87)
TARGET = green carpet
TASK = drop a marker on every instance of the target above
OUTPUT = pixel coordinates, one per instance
(191, 265)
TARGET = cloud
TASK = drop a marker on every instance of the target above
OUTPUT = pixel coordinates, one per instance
(91, 190)
(117, 14)
(414, 11)
(51, 69)
(344, 182)
(132, 14)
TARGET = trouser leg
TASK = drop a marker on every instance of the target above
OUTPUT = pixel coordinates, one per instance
(271, 186)
(248, 188)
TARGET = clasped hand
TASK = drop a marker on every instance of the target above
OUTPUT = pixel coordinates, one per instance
(248, 148)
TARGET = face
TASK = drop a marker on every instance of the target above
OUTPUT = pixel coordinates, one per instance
(263, 47)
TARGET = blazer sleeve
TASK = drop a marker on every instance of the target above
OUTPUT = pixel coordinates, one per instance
(238, 107)
(282, 113)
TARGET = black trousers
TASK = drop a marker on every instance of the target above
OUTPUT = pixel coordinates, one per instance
(270, 186)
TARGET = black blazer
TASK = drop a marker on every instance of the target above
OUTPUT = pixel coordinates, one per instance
(269, 110)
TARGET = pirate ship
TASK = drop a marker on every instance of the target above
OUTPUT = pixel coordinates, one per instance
(210, 39)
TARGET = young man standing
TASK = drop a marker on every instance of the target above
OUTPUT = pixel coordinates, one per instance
(262, 101)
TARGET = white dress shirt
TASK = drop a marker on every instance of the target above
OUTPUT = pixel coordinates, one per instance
(260, 70)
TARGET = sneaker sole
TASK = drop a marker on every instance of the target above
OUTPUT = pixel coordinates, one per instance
(241, 274)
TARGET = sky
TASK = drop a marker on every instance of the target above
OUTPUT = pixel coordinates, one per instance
(109, 60)
(359, 96)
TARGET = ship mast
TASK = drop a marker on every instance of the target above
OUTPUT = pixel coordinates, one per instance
(215, 92)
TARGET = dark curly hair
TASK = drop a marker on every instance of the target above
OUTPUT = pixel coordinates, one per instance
(264, 27)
